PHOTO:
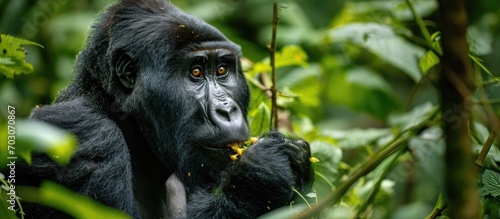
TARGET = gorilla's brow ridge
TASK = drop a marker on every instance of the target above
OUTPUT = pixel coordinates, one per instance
(219, 53)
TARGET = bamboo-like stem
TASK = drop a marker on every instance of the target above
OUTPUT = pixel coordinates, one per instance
(487, 145)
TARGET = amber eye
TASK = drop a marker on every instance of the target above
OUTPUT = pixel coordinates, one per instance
(196, 72)
(222, 70)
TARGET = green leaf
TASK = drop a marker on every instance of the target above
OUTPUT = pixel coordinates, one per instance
(326, 169)
(356, 137)
(344, 210)
(480, 132)
(290, 55)
(428, 149)
(5, 212)
(55, 196)
(304, 126)
(423, 8)
(413, 118)
(428, 61)
(329, 156)
(42, 137)
(301, 82)
(491, 181)
(381, 40)
(12, 56)
(414, 210)
(257, 95)
(261, 120)
(430, 58)
(480, 36)
(363, 90)
(368, 79)
(285, 212)
(436, 42)
(480, 64)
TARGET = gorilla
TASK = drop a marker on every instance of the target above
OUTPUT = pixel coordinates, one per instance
(157, 99)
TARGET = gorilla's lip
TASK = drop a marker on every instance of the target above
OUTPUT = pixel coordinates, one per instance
(214, 148)
(223, 145)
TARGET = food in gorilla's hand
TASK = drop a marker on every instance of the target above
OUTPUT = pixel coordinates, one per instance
(314, 160)
(239, 148)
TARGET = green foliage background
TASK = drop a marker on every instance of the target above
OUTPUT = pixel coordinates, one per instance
(354, 76)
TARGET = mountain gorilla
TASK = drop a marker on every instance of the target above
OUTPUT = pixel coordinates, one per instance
(157, 98)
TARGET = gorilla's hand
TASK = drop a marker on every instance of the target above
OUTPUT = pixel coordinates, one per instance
(264, 178)
(266, 174)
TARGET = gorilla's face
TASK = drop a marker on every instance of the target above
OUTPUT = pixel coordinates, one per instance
(218, 92)
(185, 87)
(214, 107)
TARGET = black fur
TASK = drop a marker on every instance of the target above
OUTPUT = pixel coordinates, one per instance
(148, 129)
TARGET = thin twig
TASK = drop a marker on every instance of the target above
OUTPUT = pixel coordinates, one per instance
(420, 23)
(17, 198)
(493, 81)
(272, 49)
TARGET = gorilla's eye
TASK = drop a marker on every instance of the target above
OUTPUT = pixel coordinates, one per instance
(196, 72)
(222, 70)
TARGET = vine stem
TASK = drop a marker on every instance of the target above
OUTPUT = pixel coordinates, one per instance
(420, 23)
(18, 202)
(272, 49)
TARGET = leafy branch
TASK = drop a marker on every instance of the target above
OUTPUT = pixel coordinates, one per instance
(398, 143)
(13, 54)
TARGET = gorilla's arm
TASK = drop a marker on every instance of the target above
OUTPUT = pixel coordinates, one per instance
(100, 168)
(261, 180)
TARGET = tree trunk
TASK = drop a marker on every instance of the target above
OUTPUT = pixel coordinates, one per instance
(455, 87)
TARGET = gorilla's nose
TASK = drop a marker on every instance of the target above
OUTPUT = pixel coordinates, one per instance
(228, 117)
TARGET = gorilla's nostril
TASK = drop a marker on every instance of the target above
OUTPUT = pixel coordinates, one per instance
(224, 114)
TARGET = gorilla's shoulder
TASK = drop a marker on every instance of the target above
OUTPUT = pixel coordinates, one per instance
(79, 117)
(98, 135)
(76, 112)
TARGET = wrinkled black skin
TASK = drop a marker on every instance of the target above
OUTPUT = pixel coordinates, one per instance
(140, 117)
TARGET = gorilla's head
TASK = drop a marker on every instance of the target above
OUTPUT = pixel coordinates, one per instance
(174, 76)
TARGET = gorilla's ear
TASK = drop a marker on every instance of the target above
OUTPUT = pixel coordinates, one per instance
(125, 68)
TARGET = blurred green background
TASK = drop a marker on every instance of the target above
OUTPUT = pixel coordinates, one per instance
(360, 71)
(390, 64)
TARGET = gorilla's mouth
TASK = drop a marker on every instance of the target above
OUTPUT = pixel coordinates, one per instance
(224, 146)
(220, 152)
(220, 147)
